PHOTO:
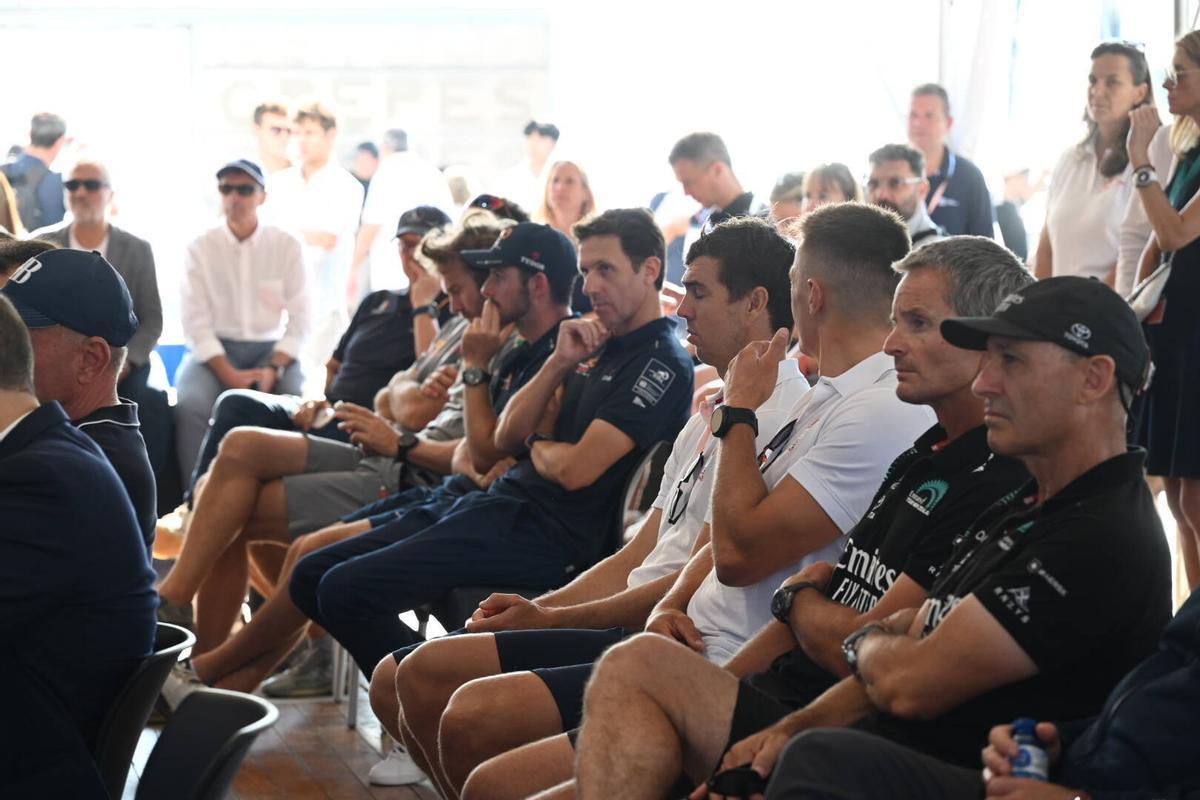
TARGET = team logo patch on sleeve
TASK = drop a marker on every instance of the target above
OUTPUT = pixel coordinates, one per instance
(653, 383)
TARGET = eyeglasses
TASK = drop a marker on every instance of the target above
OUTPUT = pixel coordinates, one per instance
(683, 491)
(892, 183)
(1171, 75)
(243, 189)
(278, 130)
(91, 184)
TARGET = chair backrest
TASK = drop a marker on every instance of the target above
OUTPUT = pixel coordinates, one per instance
(126, 717)
(203, 745)
(639, 491)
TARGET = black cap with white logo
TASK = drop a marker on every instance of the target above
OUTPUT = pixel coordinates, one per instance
(1081, 314)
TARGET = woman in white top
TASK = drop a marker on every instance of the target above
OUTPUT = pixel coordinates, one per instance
(1090, 186)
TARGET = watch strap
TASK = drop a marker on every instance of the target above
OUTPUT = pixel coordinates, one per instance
(429, 308)
(733, 415)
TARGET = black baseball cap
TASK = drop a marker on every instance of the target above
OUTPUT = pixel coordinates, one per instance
(532, 246)
(246, 166)
(421, 220)
(1081, 314)
(76, 289)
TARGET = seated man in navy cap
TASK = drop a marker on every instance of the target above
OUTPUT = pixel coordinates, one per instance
(76, 591)
(245, 309)
(80, 319)
(612, 387)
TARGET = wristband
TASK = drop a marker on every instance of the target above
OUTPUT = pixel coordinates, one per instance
(536, 437)
(429, 309)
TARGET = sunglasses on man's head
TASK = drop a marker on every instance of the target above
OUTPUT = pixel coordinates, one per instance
(244, 189)
(91, 184)
(490, 202)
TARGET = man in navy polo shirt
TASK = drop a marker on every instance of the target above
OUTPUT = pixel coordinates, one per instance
(80, 319)
(613, 387)
(76, 590)
(958, 199)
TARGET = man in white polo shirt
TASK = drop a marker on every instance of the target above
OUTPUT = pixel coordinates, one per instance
(774, 509)
(319, 202)
(245, 309)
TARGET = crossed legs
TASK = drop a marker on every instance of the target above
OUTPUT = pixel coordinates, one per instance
(243, 502)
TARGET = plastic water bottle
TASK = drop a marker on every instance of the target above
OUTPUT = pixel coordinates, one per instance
(1031, 760)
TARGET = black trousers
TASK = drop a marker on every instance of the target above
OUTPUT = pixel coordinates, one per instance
(845, 764)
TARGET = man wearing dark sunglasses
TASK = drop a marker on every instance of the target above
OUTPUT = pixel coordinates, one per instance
(245, 305)
(89, 196)
(898, 183)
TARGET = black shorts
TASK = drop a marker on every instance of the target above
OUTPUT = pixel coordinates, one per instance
(753, 711)
(562, 658)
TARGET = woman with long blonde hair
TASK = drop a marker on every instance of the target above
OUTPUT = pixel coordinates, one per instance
(1168, 425)
(567, 198)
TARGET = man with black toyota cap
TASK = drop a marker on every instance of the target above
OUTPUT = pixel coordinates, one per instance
(1053, 594)
(612, 387)
(245, 307)
(76, 589)
(80, 319)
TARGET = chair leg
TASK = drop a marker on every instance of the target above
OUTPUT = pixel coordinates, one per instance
(339, 665)
(352, 688)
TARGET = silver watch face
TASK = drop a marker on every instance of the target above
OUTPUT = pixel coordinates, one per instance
(1145, 177)
(717, 418)
(473, 376)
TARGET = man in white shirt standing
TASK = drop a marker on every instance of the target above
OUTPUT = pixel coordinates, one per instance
(404, 180)
(245, 309)
(319, 202)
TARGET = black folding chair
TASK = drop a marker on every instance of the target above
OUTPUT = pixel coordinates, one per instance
(203, 745)
(131, 708)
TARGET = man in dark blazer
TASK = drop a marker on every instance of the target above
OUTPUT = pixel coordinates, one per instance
(89, 196)
(76, 589)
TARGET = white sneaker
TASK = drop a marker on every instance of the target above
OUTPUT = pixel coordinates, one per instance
(396, 769)
(180, 683)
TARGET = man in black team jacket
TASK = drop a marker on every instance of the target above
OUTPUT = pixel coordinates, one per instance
(1054, 593)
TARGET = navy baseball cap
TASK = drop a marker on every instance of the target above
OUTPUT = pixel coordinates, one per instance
(1081, 314)
(246, 166)
(421, 220)
(532, 246)
(76, 289)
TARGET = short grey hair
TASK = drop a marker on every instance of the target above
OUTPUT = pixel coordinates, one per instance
(981, 272)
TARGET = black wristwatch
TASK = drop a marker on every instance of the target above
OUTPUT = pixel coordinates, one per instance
(474, 376)
(408, 440)
(536, 437)
(781, 601)
(851, 643)
(725, 417)
(429, 309)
